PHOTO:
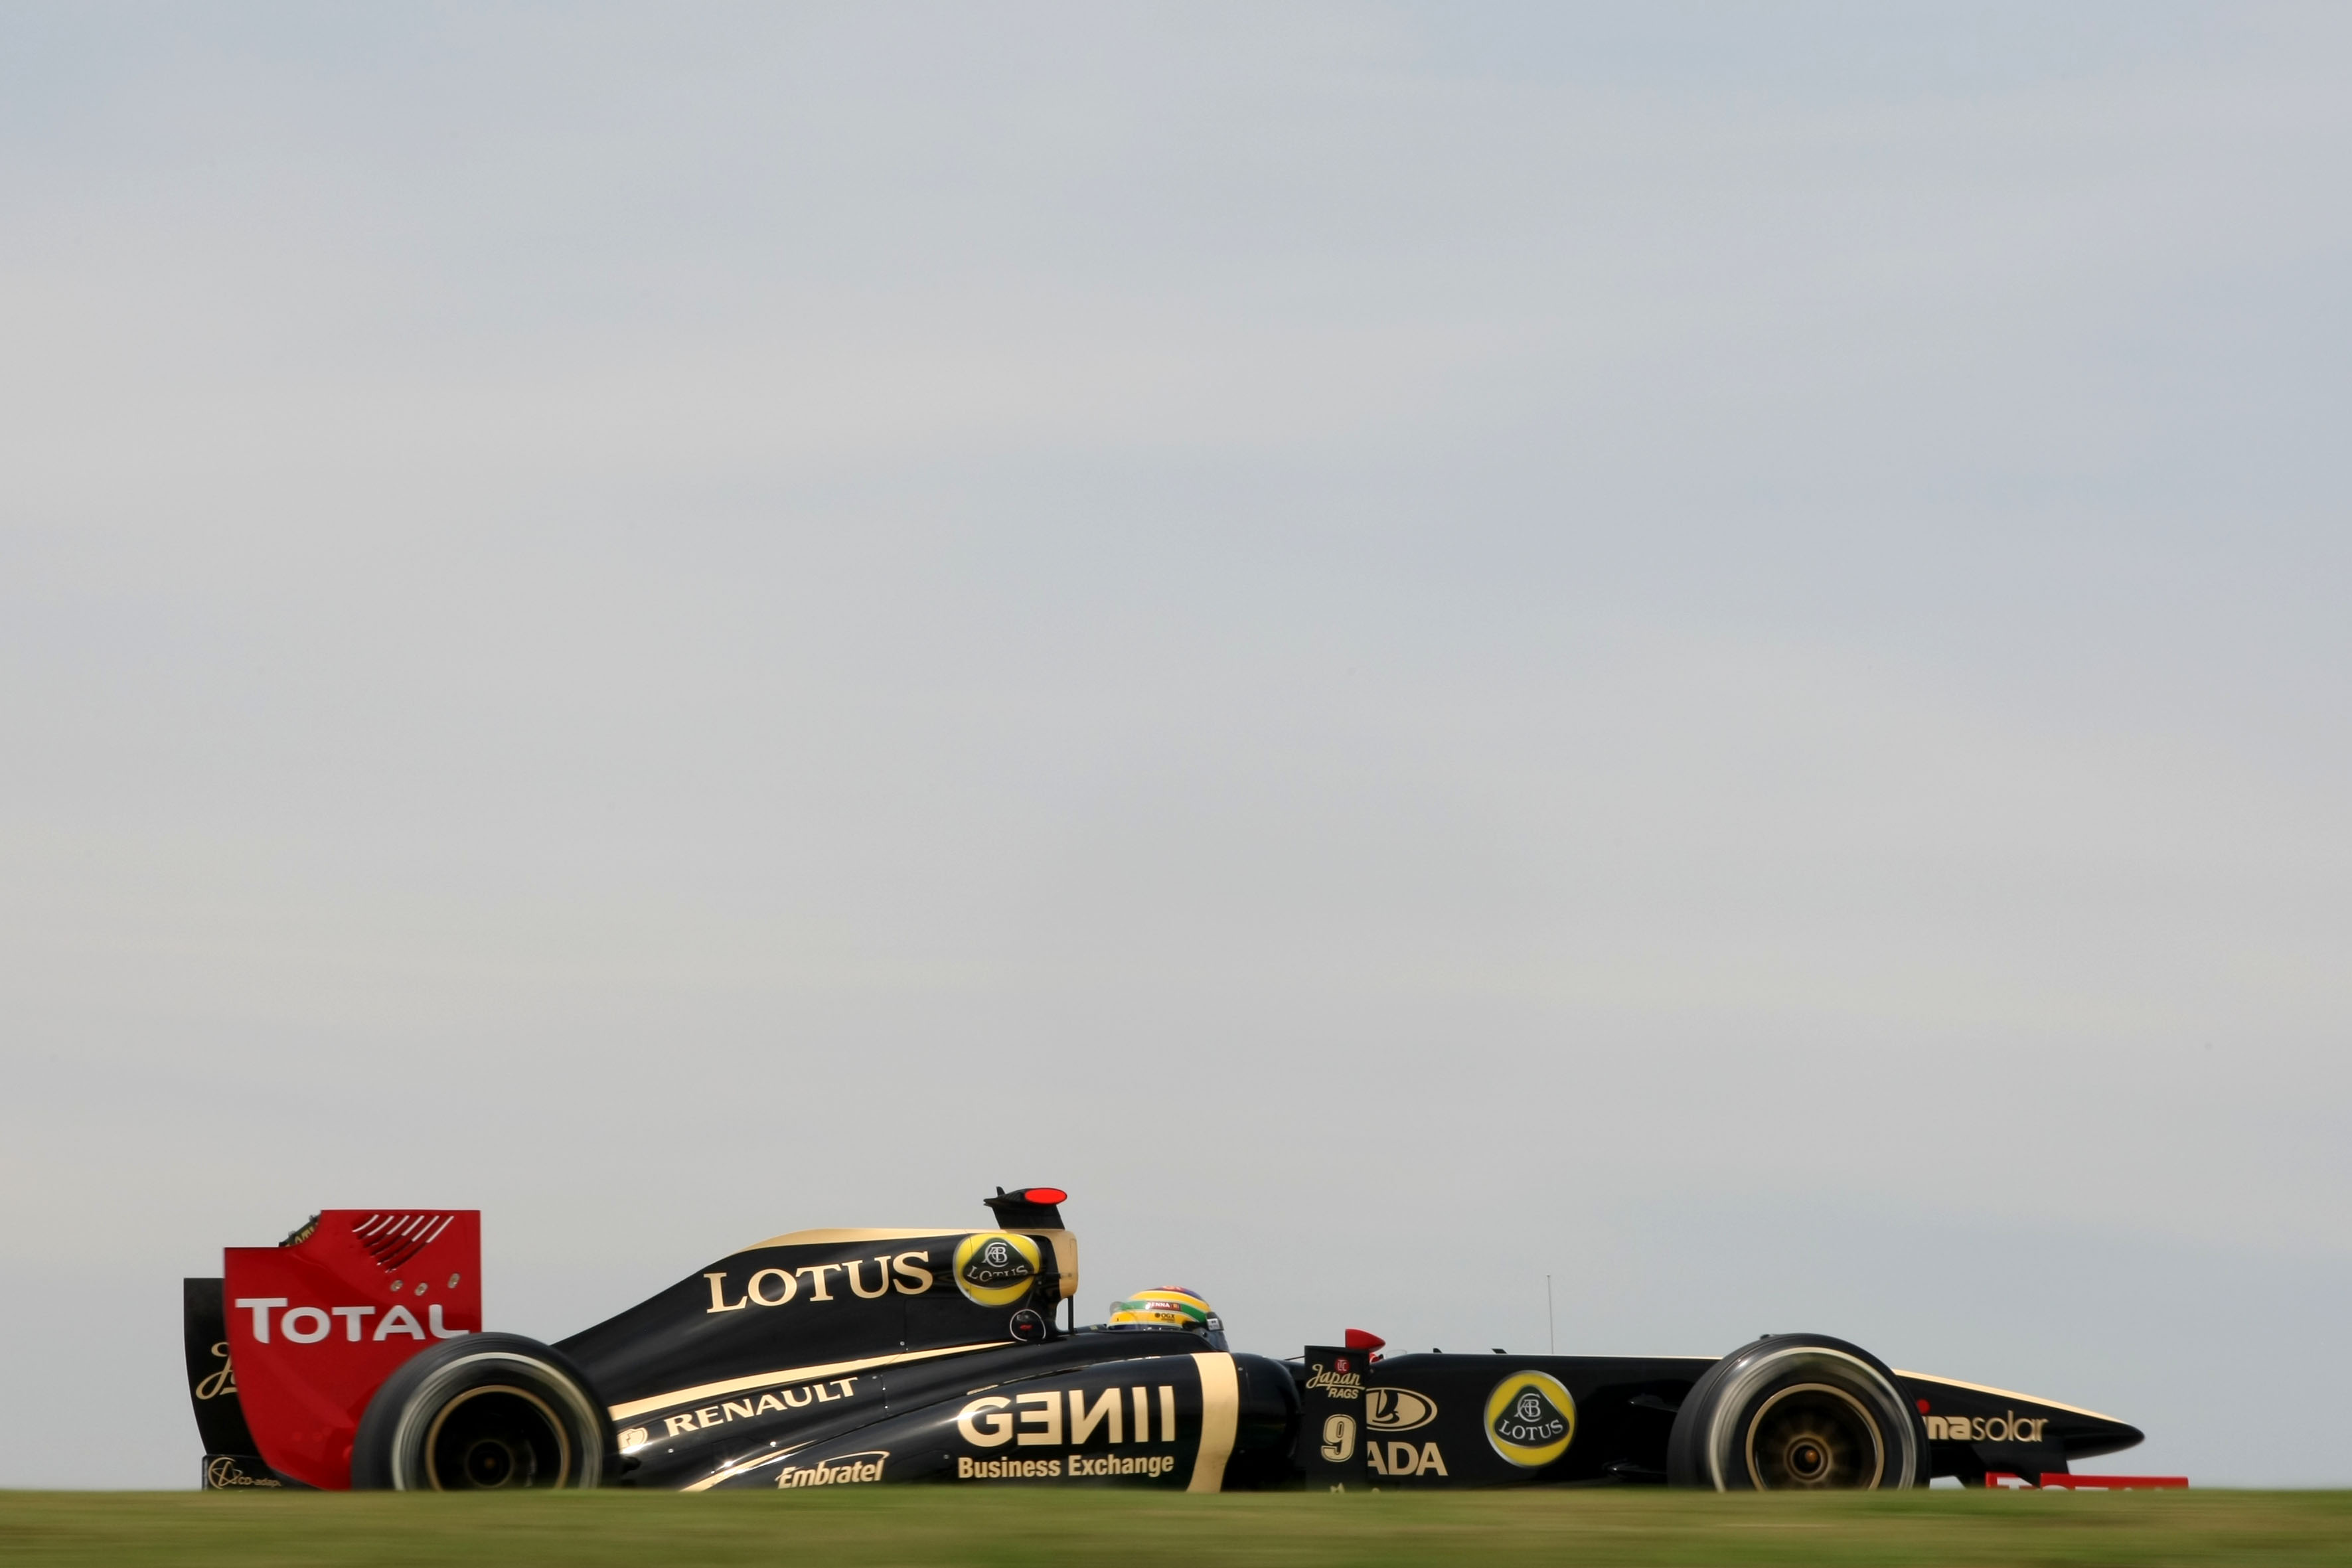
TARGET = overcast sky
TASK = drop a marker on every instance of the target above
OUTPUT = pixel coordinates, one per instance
(1699, 649)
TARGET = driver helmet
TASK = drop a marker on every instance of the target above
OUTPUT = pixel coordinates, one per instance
(1168, 1307)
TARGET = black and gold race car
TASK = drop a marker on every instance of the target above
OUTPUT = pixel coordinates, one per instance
(352, 1355)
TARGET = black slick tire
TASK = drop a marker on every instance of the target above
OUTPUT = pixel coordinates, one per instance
(1797, 1412)
(485, 1413)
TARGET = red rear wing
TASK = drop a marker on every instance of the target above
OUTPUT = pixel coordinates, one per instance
(317, 1324)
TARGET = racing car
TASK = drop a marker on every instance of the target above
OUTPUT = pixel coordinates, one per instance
(352, 1355)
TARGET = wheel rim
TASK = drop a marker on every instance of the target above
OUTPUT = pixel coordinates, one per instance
(494, 1438)
(1814, 1436)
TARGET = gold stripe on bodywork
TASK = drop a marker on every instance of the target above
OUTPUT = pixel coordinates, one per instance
(1063, 1243)
(1221, 1412)
(2006, 1393)
(790, 1374)
(731, 1471)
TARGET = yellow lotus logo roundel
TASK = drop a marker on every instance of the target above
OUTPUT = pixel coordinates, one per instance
(995, 1268)
(1530, 1418)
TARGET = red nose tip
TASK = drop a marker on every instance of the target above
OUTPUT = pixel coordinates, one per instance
(1357, 1340)
(1046, 1195)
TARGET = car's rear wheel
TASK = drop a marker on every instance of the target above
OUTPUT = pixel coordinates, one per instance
(1797, 1412)
(486, 1413)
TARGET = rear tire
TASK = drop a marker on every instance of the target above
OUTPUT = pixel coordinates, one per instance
(485, 1413)
(1797, 1412)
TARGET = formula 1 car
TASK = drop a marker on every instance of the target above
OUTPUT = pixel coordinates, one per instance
(352, 1354)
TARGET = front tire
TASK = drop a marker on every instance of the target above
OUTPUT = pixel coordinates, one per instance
(485, 1413)
(1797, 1412)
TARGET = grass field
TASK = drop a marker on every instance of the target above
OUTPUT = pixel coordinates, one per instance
(1005, 1529)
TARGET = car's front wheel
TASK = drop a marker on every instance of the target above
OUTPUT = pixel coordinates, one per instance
(486, 1413)
(1797, 1412)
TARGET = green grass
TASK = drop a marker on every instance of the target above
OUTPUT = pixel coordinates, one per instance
(936, 1528)
(1035, 1528)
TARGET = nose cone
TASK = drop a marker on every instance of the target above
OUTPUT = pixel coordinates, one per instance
(1972, 1428)
(2086, 1437)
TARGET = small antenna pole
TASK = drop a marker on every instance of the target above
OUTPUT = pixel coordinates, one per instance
(1551, 1326)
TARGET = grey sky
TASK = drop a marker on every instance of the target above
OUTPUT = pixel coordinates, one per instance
(1697, 648)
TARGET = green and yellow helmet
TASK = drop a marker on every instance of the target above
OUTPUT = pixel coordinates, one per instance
(1168, 1307)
